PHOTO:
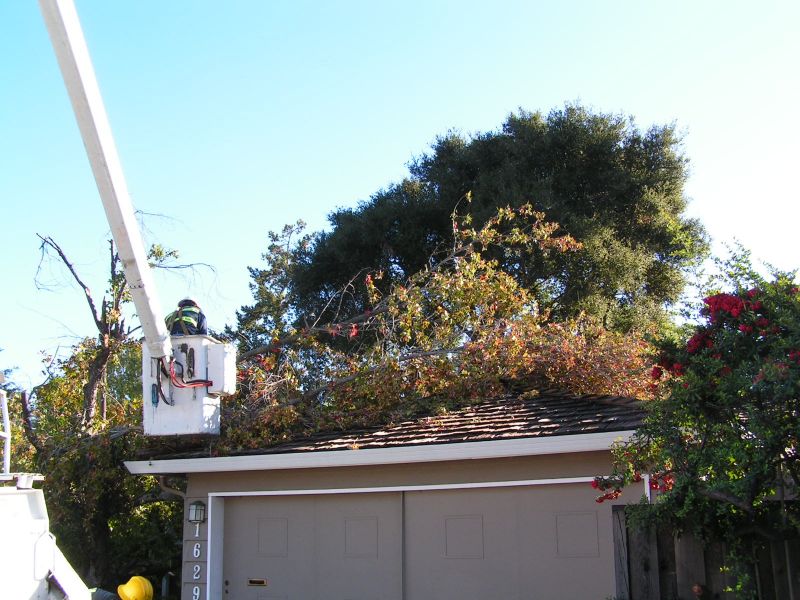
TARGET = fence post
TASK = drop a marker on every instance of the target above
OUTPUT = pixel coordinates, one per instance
(620, 532)
(643, 554)
(690, 566)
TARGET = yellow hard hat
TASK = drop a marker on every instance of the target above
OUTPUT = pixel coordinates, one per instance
(137, 588)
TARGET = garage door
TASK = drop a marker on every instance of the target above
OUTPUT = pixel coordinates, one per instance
(533, 542)
(326, 547)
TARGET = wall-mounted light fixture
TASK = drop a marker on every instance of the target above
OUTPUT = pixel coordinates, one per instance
(197, 512)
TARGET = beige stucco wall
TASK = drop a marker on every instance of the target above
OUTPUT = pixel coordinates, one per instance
(446, 472)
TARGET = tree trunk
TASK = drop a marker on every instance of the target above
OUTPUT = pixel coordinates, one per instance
(97, 376)
(99, 550)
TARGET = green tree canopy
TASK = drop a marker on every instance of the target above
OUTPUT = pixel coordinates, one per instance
(616, 189)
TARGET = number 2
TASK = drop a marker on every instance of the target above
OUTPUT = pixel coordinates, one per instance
(196, 572)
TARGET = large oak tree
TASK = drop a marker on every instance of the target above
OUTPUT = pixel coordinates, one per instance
(615, 188)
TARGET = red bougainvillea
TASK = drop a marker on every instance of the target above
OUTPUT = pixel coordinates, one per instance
(725, 440)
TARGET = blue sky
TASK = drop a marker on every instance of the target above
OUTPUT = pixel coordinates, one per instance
(234, 118)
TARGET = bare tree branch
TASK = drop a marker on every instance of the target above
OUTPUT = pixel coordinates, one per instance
(49, 242)
(110, 326)
(113, 269)
(727, 498)
(185, 266)
(171, 492)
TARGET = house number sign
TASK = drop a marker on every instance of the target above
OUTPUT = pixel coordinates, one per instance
(196, 563)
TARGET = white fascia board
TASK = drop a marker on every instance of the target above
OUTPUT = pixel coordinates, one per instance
(585, 442)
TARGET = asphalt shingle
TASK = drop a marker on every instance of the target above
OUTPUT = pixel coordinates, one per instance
(547, 413)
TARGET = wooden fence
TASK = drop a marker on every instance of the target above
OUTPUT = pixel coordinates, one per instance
(657, 565)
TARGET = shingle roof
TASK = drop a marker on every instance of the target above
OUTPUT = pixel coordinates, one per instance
(548, 413)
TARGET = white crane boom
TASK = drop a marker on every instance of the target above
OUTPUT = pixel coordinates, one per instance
(183, 376)
(66, 35)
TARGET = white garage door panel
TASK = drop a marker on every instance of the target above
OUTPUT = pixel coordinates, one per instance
(270, 539)
(342, 547)
(359, 539)
(566, 548)
(461, 545)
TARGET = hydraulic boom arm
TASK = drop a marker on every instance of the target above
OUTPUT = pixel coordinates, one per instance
(69, 44)
(183, 376)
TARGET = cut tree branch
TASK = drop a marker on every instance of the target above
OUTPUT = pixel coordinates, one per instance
(309, 331)
(374, 369)
(457, 252)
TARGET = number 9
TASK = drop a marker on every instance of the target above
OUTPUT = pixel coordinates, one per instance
(196, 592)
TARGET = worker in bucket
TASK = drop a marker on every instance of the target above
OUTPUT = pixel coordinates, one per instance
(188, 319)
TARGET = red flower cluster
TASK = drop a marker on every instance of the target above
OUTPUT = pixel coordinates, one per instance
(720, 305)
(662, 483)
(611, 495)
(724, 303)
(673, 368)
(612, 491)
(699, 340)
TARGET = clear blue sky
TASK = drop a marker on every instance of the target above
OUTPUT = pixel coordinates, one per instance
(236, 117)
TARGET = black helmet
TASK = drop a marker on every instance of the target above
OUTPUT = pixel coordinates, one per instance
(188, 302)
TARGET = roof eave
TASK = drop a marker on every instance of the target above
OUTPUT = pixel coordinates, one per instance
(423, 453)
